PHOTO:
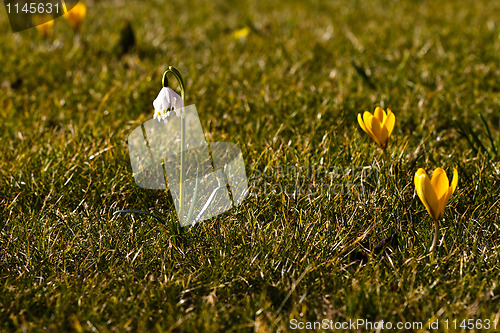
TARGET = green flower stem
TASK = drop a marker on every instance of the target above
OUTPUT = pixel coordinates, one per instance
(175, 72)
(436, 234)
(384, 158)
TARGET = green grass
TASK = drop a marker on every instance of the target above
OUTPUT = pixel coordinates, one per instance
(288, 94)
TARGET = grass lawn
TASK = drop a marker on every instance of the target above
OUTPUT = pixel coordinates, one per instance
(317, 238)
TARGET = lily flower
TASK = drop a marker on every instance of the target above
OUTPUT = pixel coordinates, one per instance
(75, 16)
(378, 125)
(167, 100)
(434, 194)
(43, 24)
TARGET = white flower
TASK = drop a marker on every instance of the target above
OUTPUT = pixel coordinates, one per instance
(167, 100)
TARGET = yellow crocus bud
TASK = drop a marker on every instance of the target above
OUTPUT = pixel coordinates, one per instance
(76, 16)
(434, 194)
(44, 24)
(378, 125)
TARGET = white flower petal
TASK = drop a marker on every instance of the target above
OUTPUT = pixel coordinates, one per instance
(167, 100)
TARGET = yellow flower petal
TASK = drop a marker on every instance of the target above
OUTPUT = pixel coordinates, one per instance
(454, 183)
(379, 114)
(367, 120)
(76, 15)
(44, 24)
(361, 123)
(367, 116)
(440, 182)
(366, 126)
(384, 137)
(389, 122)
(426, 193)
(441, 186)
(376, 130)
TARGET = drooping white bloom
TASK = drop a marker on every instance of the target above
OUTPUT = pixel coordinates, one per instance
(167, 100)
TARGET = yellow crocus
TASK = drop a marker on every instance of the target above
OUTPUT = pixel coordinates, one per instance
(44, 24)
(434, 194)
(75, 16)
(378, 125)
(241, 33)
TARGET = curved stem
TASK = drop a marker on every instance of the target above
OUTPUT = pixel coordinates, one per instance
(175, 72)
(436, 234)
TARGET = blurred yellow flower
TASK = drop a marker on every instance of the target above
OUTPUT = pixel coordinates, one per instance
(378, 125)
(44, 24)
(75, 16)
(434, 194)
(241, 33)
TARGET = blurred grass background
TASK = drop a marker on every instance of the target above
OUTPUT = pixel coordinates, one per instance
(288, 93)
